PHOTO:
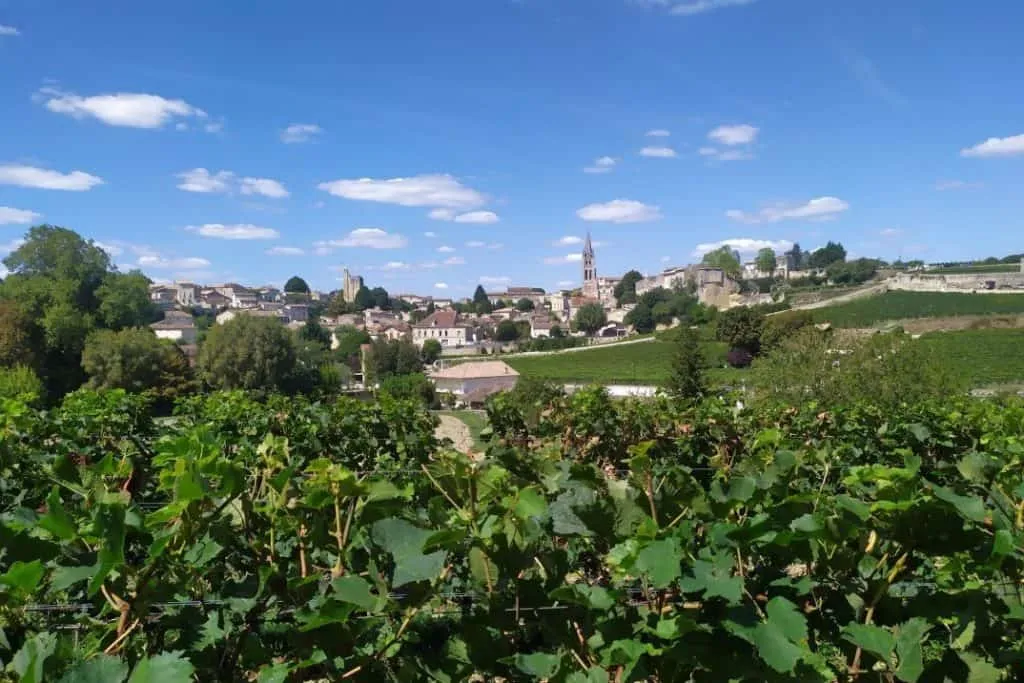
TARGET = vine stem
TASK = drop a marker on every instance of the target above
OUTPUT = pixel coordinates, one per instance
(439, 487)
(116, 645)
(869, 615)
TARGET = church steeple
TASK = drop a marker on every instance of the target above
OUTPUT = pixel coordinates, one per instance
(590, 288)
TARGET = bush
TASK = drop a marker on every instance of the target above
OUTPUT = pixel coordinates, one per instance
(21, 383)
(506, 331)
(778, 328)
(415, 387)
(739, 357)
(430, 351)
(741, 328)
(248, 352)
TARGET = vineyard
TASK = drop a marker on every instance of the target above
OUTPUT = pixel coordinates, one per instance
(598, 540)
(903, 305)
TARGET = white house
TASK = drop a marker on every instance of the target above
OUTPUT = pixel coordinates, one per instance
(164, 296)
(187, 294)
(540, 327)
(444, 326)
(177, 326)
(467, 378)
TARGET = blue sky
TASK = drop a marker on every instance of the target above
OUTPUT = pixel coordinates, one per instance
(459, 141)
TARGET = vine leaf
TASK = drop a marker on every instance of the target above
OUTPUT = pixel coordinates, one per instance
(660, 561)
(538, 664)
(876, 640)
(980, 669)
(212, 633)
(354, 590)
(110, 527)
(780, 640)
(972, 509)
(23, 576)
(101, 669)
(28, 662)
(277, 673)
(715, 579)
(909, 639)
(56, 519)
(169, 667)
(405, 543)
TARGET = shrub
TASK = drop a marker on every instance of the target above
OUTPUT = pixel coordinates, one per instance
(21, 383)
(415, 387)
(739, 357)
(778, 328)
(741, 328)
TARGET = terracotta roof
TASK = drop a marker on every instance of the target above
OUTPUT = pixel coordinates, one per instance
(175, 320)
(446, 318)
(477, 370)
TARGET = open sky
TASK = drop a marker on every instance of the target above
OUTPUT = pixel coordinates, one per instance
(433, 145)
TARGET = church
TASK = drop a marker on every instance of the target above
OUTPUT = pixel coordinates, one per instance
(600, 289)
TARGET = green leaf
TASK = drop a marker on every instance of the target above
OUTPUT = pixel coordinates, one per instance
(56, 519)
(742, 488)
(169, 667)
(530, 504)
(592, 675)
(23, 576)
(660, 561)
(971, 508)
(878, 641)
(859, 508)
(1002, 544)
(592, 597)
(788, 618)
(405, 543)
(29, 661)
(920, 432)
(775, 648)
(212, 633)
(538, 664)
(980, 670)
(109, 525)
(446, 539)
(807, 524)
(101, 669)
(483, 568)
(65, 577)
(354, 590)
(715, 579)
(276, 673)
(909, 639)
(203, 551)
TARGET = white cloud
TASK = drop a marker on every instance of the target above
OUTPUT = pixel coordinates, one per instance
(601, 165)
(11, 246)
(744, 245)
(440, 285)
(441, 214)
(567, 241)
(267, 187)
(445, 249)
(45, 179)
(132, 110)
(430, 234)
(495, 280)
(422, 190)
(368, 238)
(285, 251)
(395, 265)
(996, 147)
(562, 260)
(478, 217)
(566, 283)
(658, 133)
(658, 152)
(890, 232)
(725, 154)
(476, 244)
(620, 211)
(300, 132)
(239, 231)
(11, 216)
(163, 263)
(688, 9)
(201, 180)
(455, 261)
(742, 134)
(945, 185)
(111, 249)
(9, 31)
(214, 127)
(819, 209)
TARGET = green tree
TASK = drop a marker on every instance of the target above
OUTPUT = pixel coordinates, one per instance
(832, 252)
(296, 285)
(687, 380)
(350, 340)
(248, 352)
(556, 332)
(314, 332)
(525, 305)
(853, 272)
(431, 351)
(381, 298)
(625, 291)
(393, 357)
(641, 318)
(740, 327)
(135, 360)
(724, 258)
(506, 331)
(782, 326)
(481, 303)
(411, 387)
(766, 261)
(20, 382)
(124, 301)
(364, 299)
(17, 336)
(590, 318)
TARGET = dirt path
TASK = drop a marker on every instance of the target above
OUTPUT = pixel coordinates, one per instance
(456, 430)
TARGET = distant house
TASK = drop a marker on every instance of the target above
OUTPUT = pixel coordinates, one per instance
(177, 326)
(442, 303)
(232, 313)
(540, 326)
(297, 313)
(164, 296)
(444, 326)
(468, 378)
(506, 313)
(213, 299)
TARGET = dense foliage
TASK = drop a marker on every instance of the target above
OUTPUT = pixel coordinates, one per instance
(900, 305)
(589, 318)
(598, 540)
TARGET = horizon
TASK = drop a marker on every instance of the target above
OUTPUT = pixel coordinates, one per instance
(461, 144)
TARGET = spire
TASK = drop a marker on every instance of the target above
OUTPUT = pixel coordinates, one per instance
(588, 248)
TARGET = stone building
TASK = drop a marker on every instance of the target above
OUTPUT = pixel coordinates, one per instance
(350, 286)
(591, 288)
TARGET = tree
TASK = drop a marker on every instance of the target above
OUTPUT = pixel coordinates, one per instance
(314, 332)
(17, 336)
(525, 305)
(782, 326)
(641, 318)
(590, 318)
(853, 272)
(796, 256)
(363, 300)
(831, 253)
(393, 357)
(381, 298)
(135, 360)
(20, 382)
(481, 303)
(765, 261)
(296, 285)
(430, 351)
(506, 331)
(412, 387)
(740, 328)
(350, 340)
(687, 380)
(124, 301)
(625, 291)
(724, 258)
(248, 352)
(556, 332)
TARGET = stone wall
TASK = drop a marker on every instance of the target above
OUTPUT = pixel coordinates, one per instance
(980, 282)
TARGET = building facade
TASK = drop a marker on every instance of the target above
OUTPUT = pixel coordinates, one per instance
(350, 286)
(591, 289)
(444, 326)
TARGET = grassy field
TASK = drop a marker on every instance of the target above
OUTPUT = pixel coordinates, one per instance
(628, 364)
(984, 357)
(971, 270)
(870, 311)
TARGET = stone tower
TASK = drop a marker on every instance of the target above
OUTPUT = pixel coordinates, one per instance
(350, 286)
(590, 288)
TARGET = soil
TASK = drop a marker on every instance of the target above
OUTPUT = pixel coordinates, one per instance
(456, 430)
